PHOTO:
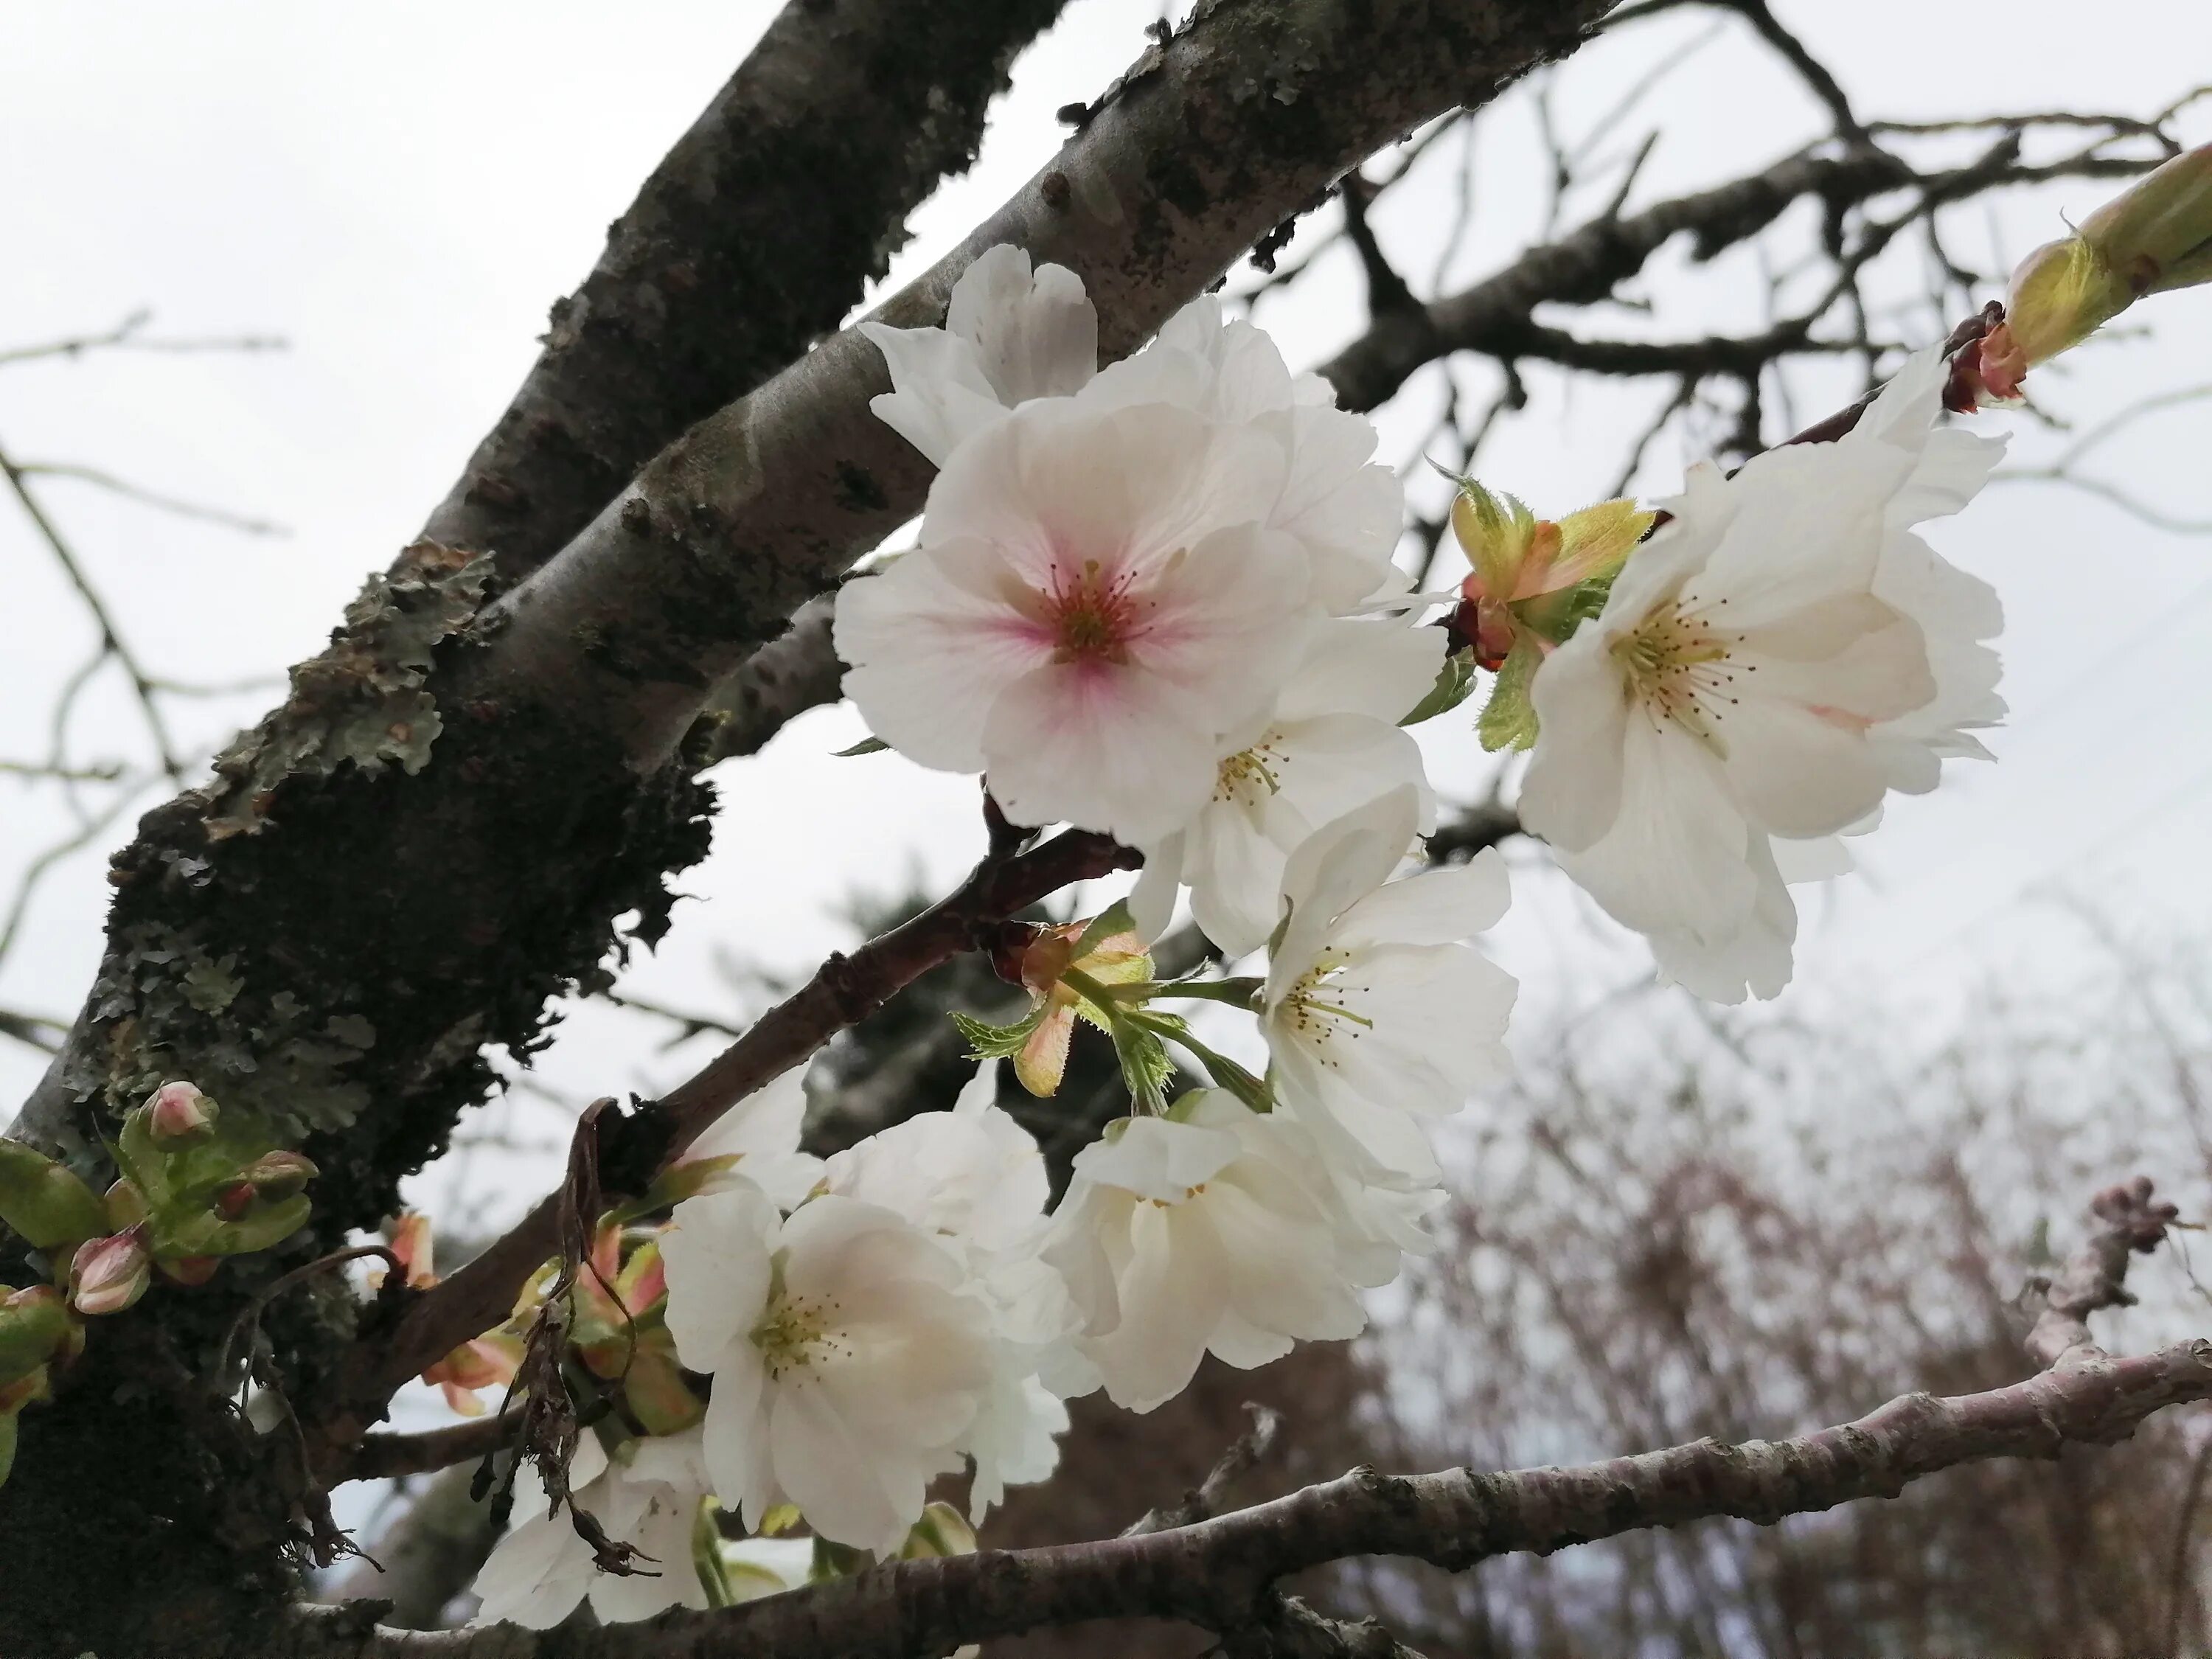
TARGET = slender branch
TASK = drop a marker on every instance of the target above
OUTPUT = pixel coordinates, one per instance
(2096, 1279)
(380, 1456)
(126, 335)
(111, 639)
(1213, 1574)
(1204, 1501)
(173, 504)
(844, 991)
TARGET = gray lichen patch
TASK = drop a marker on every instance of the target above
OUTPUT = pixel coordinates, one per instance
(362, 701)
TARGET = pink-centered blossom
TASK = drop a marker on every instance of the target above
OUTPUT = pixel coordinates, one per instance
(1096, 602)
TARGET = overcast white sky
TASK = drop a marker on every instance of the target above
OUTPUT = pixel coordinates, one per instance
(401, 189)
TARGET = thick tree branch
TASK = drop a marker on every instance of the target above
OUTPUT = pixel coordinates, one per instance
(752, 239)
(845, 990)
(1209, 142)
(1220, 1573)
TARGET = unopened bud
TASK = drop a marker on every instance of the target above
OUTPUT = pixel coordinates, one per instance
(108, 1274)
(43, 1202)
(235, 1199)
(2157, 234)
(2060, 293)
(942, 1531)
(280, 1174)
(33, 1324)
(180, 1116)
(189, 1270)
(658, 1396)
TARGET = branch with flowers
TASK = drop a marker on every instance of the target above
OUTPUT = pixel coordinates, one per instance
(1154, 602)
(1220, 1573)
(1153, 607)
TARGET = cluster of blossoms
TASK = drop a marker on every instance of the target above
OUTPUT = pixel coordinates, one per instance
(1157, 600)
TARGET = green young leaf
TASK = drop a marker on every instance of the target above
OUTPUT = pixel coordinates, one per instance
(990, 1042)
(1508, 722)
(1146, 1067)
(1454, 681)
(865, 746)
(206, 1233)
(43, 1201)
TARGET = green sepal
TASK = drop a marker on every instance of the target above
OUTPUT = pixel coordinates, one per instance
(1508, 720)
(1454, 681)
(1146, 1067)
(43, 1202)
(33, 1328)
(707, 1555)
(990, 1042)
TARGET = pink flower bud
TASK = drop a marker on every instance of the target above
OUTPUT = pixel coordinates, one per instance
(235, 1199)
(108, 1274)
(179, 1115)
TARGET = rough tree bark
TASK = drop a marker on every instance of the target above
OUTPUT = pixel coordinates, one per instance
(437, 832)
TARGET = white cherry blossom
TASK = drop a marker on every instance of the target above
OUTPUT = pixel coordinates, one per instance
(1216, 1230)
(1770, 664)
(1095, 602)
(973, 1179)
(847, 1361)
(1375, 1007)
(1332, 744)
(1008, 337)
(646, 1496)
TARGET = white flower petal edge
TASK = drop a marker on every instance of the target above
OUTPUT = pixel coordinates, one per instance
(648, 1497)
(1217, 1230)
(1767, 666)
(1008, 337)
(1374, 1007)
(1332, 744)
(763, 1131)
(1345, 512)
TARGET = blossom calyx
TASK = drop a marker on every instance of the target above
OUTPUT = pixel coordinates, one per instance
(106, 1275)
(179, 1116)
(1530, 574)
(43, 1201)
(34, 1326)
